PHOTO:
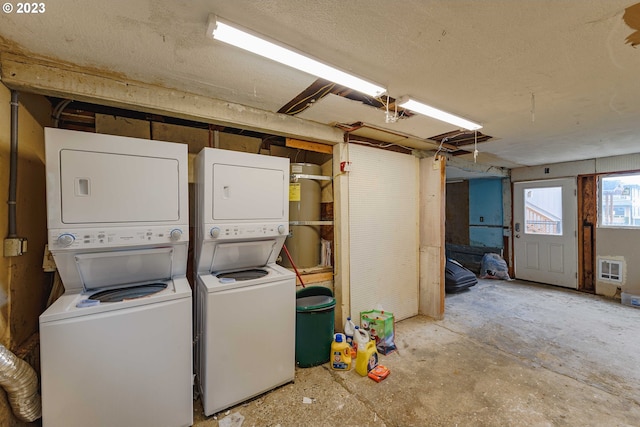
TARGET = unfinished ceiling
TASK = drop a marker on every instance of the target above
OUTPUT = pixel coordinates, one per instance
(551, 81)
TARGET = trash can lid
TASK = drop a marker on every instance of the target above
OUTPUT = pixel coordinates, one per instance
(314, 302)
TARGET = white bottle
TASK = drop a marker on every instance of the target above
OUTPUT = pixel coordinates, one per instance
(360, 338)
(349, 329)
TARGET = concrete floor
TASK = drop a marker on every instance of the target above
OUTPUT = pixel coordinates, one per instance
(506, 354)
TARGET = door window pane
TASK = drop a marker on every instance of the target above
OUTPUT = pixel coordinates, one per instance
(543, 211)
(620, 201)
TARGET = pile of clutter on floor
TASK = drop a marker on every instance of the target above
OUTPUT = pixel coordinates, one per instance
(363, 344)
(493, 266)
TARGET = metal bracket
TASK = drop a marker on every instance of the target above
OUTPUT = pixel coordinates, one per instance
(296, 176)
(310, 222)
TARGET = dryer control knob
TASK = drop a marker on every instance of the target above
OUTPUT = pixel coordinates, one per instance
(66, 239)
(215, 232)
(281, 229)
(175, 234)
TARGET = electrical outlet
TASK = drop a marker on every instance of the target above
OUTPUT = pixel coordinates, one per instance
(15, 246)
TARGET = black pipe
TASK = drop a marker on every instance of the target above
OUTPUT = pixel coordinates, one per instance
(13, 165)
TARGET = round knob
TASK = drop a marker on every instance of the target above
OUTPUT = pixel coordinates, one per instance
(215, 232)
(281, 229)
(66, 239)
(175, 235)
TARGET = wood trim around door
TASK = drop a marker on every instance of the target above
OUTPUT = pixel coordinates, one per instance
(587, 220)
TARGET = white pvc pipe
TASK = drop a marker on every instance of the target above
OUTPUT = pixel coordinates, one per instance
(20, 382)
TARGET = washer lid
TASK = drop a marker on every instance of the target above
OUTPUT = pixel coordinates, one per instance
(115, 269)
(243, 255)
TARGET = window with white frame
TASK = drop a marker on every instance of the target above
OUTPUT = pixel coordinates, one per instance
(619, 200)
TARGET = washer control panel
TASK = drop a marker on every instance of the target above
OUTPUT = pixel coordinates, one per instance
(245, 231)
(108, 237)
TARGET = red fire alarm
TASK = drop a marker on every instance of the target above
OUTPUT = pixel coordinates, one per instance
(345, 166)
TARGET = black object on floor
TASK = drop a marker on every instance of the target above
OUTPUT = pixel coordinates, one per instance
(457, 278)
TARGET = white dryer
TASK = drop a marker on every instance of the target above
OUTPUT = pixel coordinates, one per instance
(116, 347)
(245, 302)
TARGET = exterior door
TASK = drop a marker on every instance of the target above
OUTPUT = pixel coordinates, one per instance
(545, 239)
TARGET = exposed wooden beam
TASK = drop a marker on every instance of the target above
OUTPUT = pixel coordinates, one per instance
(65, 81)
(432, 243)
(309, 146)
(315, 278)
(305, 99)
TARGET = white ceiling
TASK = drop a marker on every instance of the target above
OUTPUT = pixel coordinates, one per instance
(550, 80)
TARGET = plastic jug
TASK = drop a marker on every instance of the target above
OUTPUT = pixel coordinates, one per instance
(340, 353)
(349, 329)
(367, 358)
(360, 337)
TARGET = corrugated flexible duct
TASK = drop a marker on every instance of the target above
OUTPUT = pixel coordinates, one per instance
(20, 382)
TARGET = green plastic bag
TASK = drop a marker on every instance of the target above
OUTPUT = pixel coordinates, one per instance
(381, 326)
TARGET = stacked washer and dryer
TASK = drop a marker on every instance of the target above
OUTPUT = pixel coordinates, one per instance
(116, 347)
(245, 302)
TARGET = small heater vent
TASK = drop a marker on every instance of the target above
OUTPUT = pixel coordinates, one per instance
(610, 270)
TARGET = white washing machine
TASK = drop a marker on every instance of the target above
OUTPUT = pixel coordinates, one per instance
(245, 302)
(116, 347)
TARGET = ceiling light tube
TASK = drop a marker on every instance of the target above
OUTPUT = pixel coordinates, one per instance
(222, 31)
(427, 110)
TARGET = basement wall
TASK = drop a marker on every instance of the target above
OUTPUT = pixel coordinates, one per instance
(485, 212)
(24, 287)
(457, 213)
(611, 243)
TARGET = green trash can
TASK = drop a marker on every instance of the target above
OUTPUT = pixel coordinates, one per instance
(315, 320)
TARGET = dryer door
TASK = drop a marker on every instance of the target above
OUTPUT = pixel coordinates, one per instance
(248, 193)
(117, 188)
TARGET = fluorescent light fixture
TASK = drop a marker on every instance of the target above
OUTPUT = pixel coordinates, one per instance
(220, 30)
(427, 110)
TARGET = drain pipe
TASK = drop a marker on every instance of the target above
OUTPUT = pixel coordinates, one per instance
(20, 382)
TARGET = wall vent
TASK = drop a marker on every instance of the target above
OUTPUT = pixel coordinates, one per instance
(610, 270)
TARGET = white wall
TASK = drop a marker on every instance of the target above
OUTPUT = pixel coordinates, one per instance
(383, 228)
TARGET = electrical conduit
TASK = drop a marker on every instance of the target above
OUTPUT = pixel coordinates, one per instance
(13, 165)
